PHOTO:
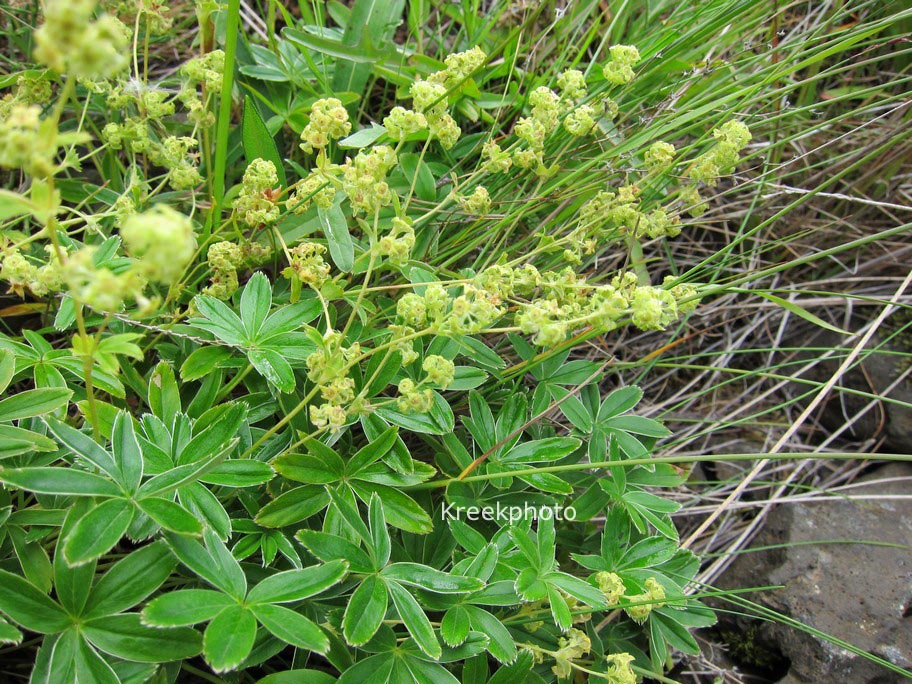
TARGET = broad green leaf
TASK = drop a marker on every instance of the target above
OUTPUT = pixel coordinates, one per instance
(83, 446)
(185, 607)
(258, 143)
(212, 562)
(15, 441)
(91, 667)
(454, 628)
(27, 606)
(124, 636)
(35, 402)
(365, 611)
(9, 634)
(229, 638)
(500, 643)
(62, 663)
(203, 361)
(170, 515)
(415, 620)
(371, 23)
(73, 585)
(540, 450)
(363, 138)
(164, 394)
(338, 238)
(7, 368)
(219, 319)
(618, 402)
(291, 627)
(638, 425)
(439, 421)
(33, 558)
(311, 468)
(127, 453)
(177, 477)
(377, 669)
(400, 509)
(272, 366)
(425, 577)
(293, 506)
(239, 473)
(295, 585)
(380, 537)
(130, 580)
(372, 452)
(329, 547)
(98, 531)
(418, 175)
(298, 677)
(256, 301)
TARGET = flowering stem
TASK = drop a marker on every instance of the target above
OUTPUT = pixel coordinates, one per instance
(224, 118)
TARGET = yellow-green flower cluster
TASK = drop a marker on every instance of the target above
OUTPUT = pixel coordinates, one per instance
(225, 259)
(731, 138)
(619, 669)
(478, 203)
(468, 313)
(412, 398)
(100, 288)
(23, 145)
(429, 97)
(21, 274)
(326, 368)
(71, 42)
(403, 122)
(256, 204)
(364, 179)
(440, 371)
(659, 156)
(315, 188)
(572, 84)
(573, 646)
(162, 240)
(397, 245)
(174, 154)
(654, 594)
(207, 70)
(308, 265)
(619, 69)
(611, 585)
(328, 121)
(494, 159)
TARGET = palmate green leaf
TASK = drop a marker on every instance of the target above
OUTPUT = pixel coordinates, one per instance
(185, 607)
(130, 580)
(83, 446)
(229, 638)
(379, 536)
(98, 531)
(438, 421)
(181, 475)
(376, 669)
(298, 677)
(32, 557)
(164, 394)
(62, 662)
(35, 402)
(124, 636)
(291, 627)
(365, 611)
(295, 585)
(258, 143)
(372, 452)
(59, 481)
(618, 402)
(541, 450)
(7, 368)
(415, 620)
(362, 138)
(28, 607)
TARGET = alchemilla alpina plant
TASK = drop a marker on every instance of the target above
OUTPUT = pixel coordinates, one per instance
(287, 310)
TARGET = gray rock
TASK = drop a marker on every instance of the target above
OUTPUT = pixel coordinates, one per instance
(861, 594)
